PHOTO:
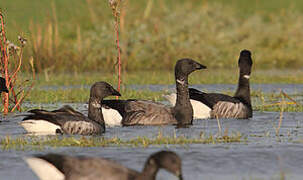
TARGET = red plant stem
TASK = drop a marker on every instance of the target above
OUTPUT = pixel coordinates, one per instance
(18, 103)
(119, 53)
(14, 75)
(16, 100)
(24, 95)
(13, 79)
(5, 60)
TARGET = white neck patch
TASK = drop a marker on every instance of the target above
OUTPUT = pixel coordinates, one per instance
(182, 82)
(95, 104)
(246, 76)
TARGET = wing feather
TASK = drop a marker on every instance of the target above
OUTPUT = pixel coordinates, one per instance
(70, 121)
(142, 112)
(225, 109)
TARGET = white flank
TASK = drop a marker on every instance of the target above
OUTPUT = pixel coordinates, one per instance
(201, 111)
(39, 127)
(111, 117)
(43, 169)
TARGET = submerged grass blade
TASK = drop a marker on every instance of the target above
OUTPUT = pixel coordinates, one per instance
(33, 142)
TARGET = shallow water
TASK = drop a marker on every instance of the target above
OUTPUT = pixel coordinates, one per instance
(267, 88)
(263, 156)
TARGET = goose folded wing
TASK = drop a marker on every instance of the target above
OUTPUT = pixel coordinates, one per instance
(225, 109)
(118, 105)
(58, 117)
(70, 123)
(69, 110)
(99, 168)
(88, 168)
(140, 112)
(211, 99)
(40, 114)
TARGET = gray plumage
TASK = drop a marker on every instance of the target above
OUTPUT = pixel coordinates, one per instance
(88, 168)
(83, 127)
(141, 112)
(69, 121)
(225, 109)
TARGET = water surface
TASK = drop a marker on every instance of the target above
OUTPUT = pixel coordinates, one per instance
(263, 156)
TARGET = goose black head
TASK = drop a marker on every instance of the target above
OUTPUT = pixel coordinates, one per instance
(167, 160)
(186, 66)
(100, 90)
(3, 87)
(245, 63)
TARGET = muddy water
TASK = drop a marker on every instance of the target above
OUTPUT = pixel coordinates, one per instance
(263, 156)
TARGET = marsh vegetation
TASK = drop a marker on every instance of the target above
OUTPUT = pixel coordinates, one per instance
(80, 37)
(73, 45)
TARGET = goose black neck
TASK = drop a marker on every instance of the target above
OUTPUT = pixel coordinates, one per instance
(243, 91)
(183, 110)
(95, 110)
(149, 172)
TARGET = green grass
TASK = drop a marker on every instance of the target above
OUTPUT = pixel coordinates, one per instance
(29, 143)
(208, 76)
(263, 101)
(82, 95)
(78, 37)
(44, 91)
(277, 108)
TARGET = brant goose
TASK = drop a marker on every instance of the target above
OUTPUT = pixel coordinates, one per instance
(3, 87)
(142, 112)
(200, 110)
(55, 167)
(212, 105)
(67, 120)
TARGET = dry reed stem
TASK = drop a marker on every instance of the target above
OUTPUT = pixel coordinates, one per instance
(219, 125)
(14, 75)
(33, 82)
(226, 130)
(148, 9)
(278, 104)
(288, 97)
(56, 30)
(281, 115)
(122, 16)
(92, 13)
(283, 102)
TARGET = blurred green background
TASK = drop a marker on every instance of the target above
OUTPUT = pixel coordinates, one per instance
(78, 36)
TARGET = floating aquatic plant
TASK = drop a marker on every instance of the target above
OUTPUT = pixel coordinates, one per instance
(36, 142)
